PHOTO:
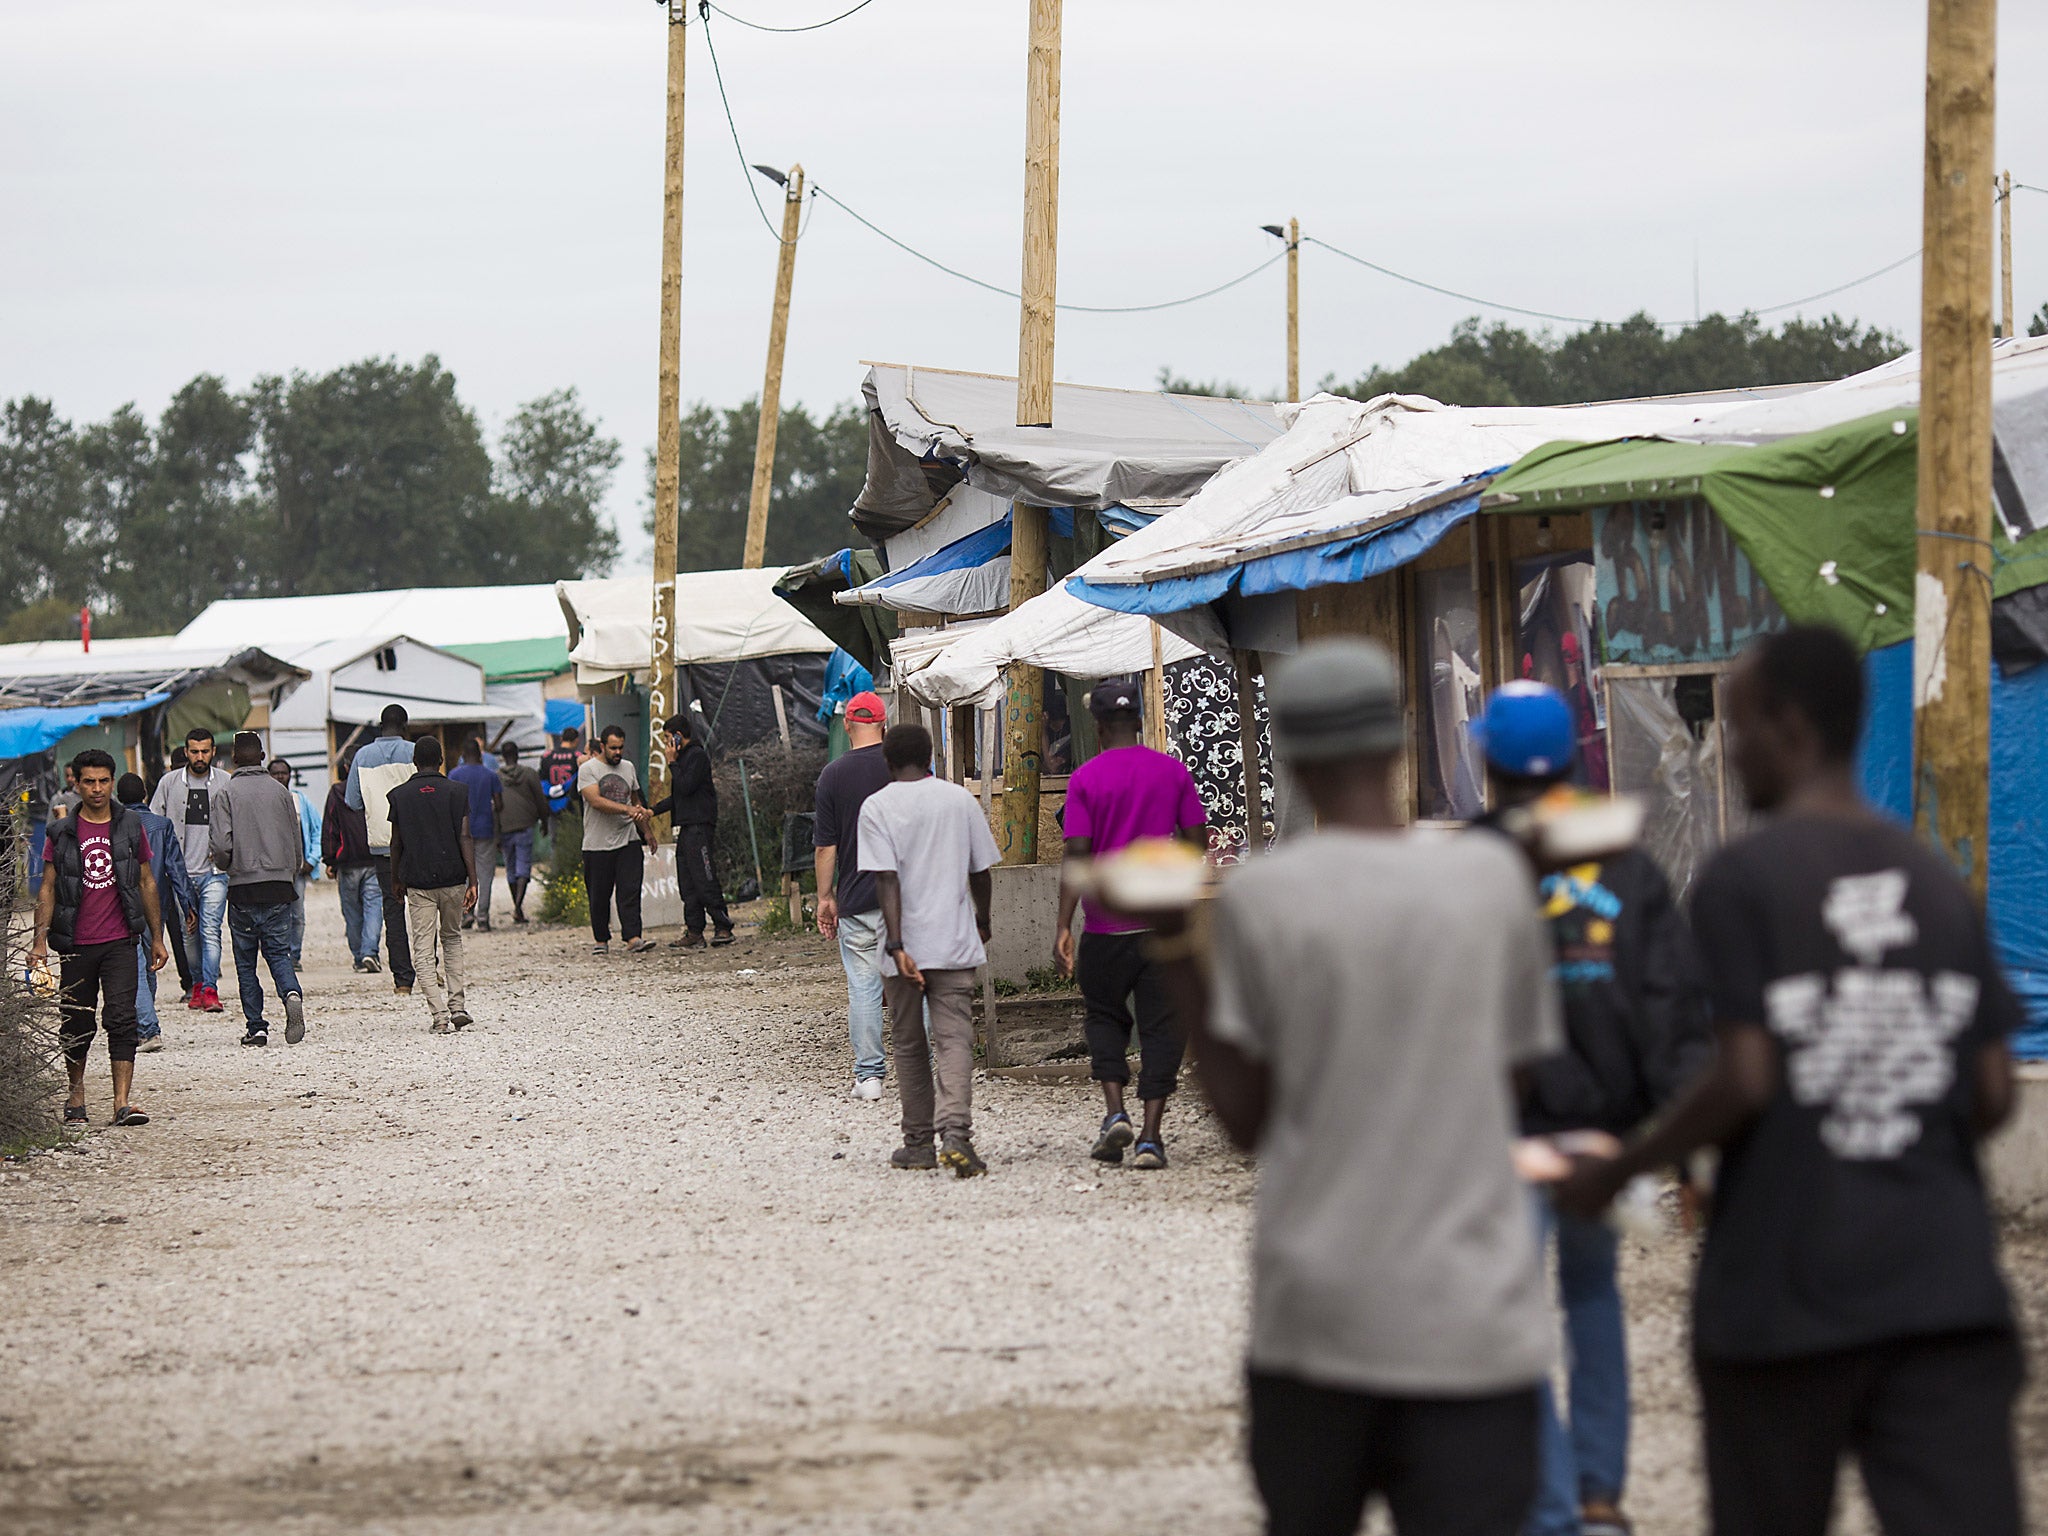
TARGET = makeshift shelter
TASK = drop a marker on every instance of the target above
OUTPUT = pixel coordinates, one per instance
(350, 683)
(738, 649)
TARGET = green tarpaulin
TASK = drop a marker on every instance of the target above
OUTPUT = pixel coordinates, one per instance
(517, 661)
(1827, 518)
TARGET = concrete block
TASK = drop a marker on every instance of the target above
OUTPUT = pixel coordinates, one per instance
(1024, 913)
(2016, 1159)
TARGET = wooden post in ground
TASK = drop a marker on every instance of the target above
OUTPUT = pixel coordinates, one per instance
(1155, 695)
(1248, 742)
(1294, 309)
(771, 384)
(1024, 722)
(2005, 255)
(661, 672)
(1952, 591)
(985, 745)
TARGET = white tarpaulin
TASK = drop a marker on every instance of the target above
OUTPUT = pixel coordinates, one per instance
(720, 616)
(1055, 630)
(435, 615)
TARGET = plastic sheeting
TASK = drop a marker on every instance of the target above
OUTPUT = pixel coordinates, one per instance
(720, 616)
(738, 698)
(1677, 770)
(844, 677)
(26, 732)
(930, 429)
(2018, 886)
(564, 713)
(436, 615)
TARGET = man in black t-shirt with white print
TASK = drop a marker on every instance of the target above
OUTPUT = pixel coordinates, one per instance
(1849, 1298)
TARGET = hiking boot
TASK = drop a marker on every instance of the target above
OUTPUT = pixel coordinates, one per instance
(721, 937)
(256, 1035)
(1116, 1134)
(958, 1154)
(687, 941)
(914, 1155)
(294, 1018)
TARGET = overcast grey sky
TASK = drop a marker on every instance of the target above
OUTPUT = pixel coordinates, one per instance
(245, 186)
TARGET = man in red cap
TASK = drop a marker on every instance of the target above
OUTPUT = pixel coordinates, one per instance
(849, 904)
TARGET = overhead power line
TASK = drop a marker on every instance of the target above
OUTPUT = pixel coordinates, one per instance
(811, 27)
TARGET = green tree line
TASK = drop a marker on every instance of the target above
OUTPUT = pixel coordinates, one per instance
(375, 475)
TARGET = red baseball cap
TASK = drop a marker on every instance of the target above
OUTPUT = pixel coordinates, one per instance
(867, 709)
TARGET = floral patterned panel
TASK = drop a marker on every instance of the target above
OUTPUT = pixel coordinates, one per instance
(1202, 728)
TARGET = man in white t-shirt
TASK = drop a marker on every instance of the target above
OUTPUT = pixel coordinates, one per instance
(930, 851)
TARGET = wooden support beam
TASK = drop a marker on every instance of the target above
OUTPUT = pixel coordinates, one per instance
(771, 383)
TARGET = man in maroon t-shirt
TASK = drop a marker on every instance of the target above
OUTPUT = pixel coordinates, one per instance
(98, 897)
(1123, 793)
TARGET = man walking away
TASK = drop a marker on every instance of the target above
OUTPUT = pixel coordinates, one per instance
(259, 845)
(1849, 1300)
(613, 860)
(181, 919)
(1373, 991)
(849, 906)
(691, 806)
(558, 767)
(525, 802)
(380, 767)
(98, 898)
(1635, 1033)
(486, 798)
(1125, 792)
(433, 862)
(930, 849)
(184, 797)
(345, 848)
(167, 869)
(309, 833)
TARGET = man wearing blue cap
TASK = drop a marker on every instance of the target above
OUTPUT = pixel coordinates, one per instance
(1635, 1031)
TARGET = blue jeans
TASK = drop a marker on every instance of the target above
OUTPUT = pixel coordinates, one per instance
(1588, 1460)
(212, 891)
(362, 908)
(268, 929)
(860, 944)
(147, 1026)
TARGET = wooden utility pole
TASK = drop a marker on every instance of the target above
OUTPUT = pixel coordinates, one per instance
(661, 673)
(1248, 743)
(2005, 255)
(1294, 309)
(1952, 591)
(771, 385)
(1024, 715)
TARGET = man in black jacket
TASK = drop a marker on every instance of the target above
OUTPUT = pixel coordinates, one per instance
(1635, 1032)
(691, 806)
(98, 898)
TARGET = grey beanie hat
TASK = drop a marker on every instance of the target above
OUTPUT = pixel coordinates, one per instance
(1337, 698)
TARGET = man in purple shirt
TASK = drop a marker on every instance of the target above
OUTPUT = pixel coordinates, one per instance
(1124, 793)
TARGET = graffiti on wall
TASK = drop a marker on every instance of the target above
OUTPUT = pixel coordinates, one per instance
(1674, 586)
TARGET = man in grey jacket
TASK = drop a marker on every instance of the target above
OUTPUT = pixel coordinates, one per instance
(256, 841)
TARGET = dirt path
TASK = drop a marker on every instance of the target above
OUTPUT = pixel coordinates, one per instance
(625, 1258)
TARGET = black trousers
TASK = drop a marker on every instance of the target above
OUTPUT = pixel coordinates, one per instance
(1447, 1466)
(1929, 1421)
(397, 942)
(697, 874)
(102, 974)
(609, 872)
(1113, 971)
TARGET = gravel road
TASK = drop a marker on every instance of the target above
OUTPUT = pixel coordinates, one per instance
(626, 1258)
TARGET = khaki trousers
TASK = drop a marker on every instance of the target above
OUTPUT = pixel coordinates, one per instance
(434, 919)
(935, 1080)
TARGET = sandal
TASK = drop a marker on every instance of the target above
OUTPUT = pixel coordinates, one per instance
(128, 1114)
(600, 950)
(76, 1114)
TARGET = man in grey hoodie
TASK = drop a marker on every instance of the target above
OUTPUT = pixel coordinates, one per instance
(256, 842)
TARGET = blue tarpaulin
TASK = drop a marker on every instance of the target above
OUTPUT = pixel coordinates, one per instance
(844, 677)
(1369, 554)
(2018, 894)
(25, 732)
(563, 713)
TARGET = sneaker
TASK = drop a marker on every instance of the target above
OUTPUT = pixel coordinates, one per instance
(867, 1088)
(958, 1154)
(440, 1027)
(212, 1003)
(914, 1156)
(369, 965)
(1603, 1517)
(460, 1019)
(359, 966)
(518, 917)
(468, 920)
(1150, 1154)
(640, 946)
(294, 1018)
(687, 941)
(192, 997)
(256, 1037)
(484, 926)
(1116, 1134)
(720, 937)
(151, 1046)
